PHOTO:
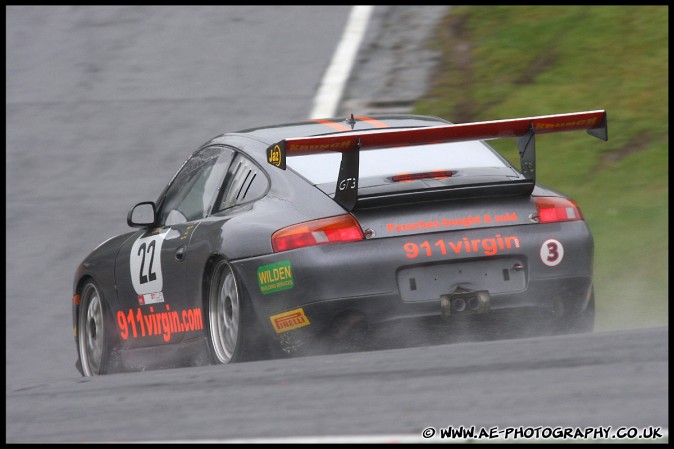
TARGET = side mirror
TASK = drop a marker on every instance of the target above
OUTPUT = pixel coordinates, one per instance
(142, 215)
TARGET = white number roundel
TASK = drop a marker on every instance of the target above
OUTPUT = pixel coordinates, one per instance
(552, 252)
(145, 264)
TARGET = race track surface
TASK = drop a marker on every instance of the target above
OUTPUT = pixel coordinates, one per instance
(578, 381)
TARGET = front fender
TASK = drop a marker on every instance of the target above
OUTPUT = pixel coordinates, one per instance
(100, 266)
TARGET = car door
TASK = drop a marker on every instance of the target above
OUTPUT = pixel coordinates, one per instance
(150, 267)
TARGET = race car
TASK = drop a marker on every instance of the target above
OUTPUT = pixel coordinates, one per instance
(268, 238)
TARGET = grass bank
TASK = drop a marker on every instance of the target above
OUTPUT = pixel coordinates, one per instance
(504, 62)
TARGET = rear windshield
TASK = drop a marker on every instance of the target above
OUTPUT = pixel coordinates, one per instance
(324, 168)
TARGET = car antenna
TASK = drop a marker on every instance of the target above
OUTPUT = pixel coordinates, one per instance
(351, 121)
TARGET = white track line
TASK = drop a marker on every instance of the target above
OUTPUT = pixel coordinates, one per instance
(330, 91)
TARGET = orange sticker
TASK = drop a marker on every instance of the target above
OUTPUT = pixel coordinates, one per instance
(443, 222)
(581, 124)
(488, 247)
(319, 147)
(288, 321)
(143, 323)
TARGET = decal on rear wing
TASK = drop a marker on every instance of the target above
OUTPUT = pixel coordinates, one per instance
(350, 144)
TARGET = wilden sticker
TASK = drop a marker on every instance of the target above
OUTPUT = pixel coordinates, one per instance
(287, 321)
(275, 277)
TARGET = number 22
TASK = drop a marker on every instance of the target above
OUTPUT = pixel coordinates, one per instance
(152, 275)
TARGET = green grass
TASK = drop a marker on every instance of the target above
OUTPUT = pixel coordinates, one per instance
(504, 62)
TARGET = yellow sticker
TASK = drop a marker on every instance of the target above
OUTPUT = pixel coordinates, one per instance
(287, 321)
(274, 156)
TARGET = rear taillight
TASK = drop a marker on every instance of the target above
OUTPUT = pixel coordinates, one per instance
(339, 229)
(553, 209)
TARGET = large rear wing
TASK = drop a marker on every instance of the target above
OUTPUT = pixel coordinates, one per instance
(352, 143)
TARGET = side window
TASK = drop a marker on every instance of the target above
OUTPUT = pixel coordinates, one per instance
(245, 182)
(195, 187)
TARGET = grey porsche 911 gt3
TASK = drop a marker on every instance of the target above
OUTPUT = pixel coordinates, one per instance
(269, 238)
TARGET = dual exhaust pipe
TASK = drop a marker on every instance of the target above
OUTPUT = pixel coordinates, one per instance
(465, 302)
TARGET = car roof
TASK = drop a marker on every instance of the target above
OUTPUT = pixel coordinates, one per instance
(316, 127)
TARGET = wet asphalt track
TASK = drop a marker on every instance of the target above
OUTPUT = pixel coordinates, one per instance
(104, 104)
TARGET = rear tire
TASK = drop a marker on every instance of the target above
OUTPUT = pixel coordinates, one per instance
(225, 316)
(581, 322)
(93, 331)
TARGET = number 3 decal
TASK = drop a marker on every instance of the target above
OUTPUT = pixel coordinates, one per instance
(145, 264)
(552, 252)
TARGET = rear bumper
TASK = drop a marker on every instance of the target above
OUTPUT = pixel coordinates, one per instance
(549, 296)
(368, 277)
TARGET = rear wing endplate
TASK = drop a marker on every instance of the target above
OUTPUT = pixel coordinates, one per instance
(352, 143)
